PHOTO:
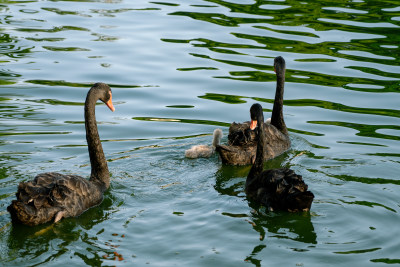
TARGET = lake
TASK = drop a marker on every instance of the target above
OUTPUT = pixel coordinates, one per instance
(178, 70)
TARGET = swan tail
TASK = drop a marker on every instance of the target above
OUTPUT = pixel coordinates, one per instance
(35, 202)
(301, 201)
(59, 216)
(28, 214)
(290, 191)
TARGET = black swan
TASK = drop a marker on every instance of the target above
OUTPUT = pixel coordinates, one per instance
(241, 148)
(52, 196)
(205, 151)
(277, 189)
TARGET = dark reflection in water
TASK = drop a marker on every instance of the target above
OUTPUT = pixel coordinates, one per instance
(281, 225)
(35, 242)
(208, 59)
(296, 226)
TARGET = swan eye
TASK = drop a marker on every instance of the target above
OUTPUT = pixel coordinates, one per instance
(108, 95)
(109, 102)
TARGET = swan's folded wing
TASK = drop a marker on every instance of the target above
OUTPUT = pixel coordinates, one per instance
(38, 190)
(75, 194)
(240, 134)
(70, 192)
(236, 155)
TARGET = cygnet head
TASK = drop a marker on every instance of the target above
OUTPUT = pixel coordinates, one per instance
(217, 137)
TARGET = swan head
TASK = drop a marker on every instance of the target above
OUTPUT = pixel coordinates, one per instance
(279, 65)
(256, 114)
(105, 94)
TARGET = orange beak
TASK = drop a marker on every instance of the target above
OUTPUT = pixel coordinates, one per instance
(253, 124)
(110, 104)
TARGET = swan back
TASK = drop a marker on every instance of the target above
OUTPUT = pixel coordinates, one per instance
(277, 189)
(52, 196)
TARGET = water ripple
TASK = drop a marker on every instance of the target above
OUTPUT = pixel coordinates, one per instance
(179, 69)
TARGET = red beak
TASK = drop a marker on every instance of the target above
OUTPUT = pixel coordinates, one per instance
(253, 124)
(110, 104)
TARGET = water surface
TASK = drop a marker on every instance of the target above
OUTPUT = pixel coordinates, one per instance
(178, 70)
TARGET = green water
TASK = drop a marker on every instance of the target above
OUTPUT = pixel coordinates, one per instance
(178, 70)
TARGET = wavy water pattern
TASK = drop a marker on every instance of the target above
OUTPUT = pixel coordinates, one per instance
(178, 70)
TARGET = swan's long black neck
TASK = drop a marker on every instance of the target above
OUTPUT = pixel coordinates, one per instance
(98, 161)
(258, 165)
(277, 111)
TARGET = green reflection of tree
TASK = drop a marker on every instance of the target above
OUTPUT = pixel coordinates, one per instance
(72, 84)
(230, 99)
(54, 29)
(368, 204)
(62, 12)
(364, 129)
(175, 120)
(306, 77)
(9, 49)
(387, 260)
(302, 26)
(234, 99)
(325, 48)
(358, 179)
(336, 106)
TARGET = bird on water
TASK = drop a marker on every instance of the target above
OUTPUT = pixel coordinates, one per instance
(52, 196)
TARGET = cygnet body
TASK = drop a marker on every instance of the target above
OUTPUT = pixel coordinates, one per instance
(205, 151)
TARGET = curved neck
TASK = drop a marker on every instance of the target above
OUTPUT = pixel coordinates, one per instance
(216, 137)
(97, 159)
(258, 165)
(277, 111)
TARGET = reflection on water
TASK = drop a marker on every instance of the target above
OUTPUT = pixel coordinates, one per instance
(32, 242)
(178, 70)
(269, 225)
(297, 227)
